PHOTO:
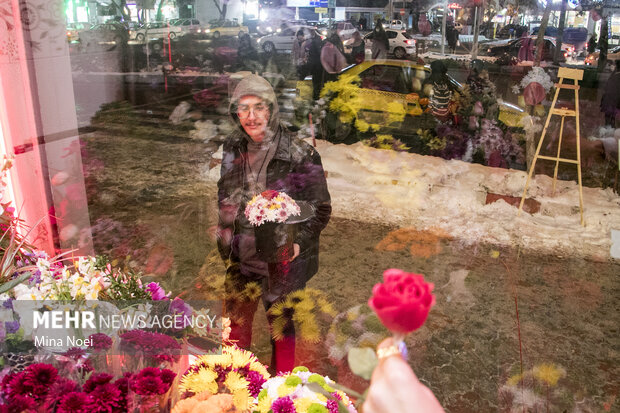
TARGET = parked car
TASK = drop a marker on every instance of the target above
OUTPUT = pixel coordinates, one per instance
(155, 30)
(549, 31)
(401, 43)
(219, 28)
(187, 25)
(383, 82)
(283, 40)
(512, 48)
(74, 30)
(344, 29)
(111, 34)
(396, 24)
(510, 30)
(612, 55)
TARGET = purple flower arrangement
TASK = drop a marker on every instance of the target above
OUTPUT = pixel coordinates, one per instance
(154, 346)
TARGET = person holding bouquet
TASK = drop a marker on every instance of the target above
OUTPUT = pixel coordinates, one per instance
(262, 157)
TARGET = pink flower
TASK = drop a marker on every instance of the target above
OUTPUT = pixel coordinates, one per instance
(74, 402)
(157, 293)
(478, 109)
(100, 342)
(96, 380)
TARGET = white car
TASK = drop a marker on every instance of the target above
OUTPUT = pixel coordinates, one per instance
(156, 30)
(187, 25)
(344, 29)
(401, 43)
(282, 41)
(397, 25)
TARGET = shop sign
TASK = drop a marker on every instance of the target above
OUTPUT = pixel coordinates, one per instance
(320, 9)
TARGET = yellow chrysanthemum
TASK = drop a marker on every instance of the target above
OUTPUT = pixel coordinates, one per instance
(215, 360)
(302, 405)
(242, 399)
(321, 398)
(253, 291)
(549, 373)
(234, 381)
(196, 382)
(264, 405)
(302, 307)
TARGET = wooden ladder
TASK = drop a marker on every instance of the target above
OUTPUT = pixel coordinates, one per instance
(575, 75)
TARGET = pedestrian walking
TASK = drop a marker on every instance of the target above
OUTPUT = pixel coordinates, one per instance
(610, 103)
(313, 46)
(453, 37)
(358, 49)
(332, 57)
(299, 55)
(380, 42)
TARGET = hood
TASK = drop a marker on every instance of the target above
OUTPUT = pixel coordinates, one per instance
(256, 86)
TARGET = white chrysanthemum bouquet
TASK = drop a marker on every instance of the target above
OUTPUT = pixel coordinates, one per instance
(271, 206)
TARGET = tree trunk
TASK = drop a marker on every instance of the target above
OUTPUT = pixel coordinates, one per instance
(540, 42)
(478, 18)
(558, 39)
(221, 10)
(603, 44)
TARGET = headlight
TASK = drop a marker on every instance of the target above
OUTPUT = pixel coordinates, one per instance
(208, 31)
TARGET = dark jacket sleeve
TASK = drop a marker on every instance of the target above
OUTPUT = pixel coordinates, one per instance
(316, 193)
(227, 204)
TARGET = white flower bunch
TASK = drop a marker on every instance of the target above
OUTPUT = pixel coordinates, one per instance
(537, 74)
(61, 283)
(271, 206)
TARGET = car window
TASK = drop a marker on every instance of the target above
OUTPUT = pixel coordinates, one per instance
(385, 78)
(406, 35)
(418, 78)
(287, 32)
(195, 22)
(392, 35)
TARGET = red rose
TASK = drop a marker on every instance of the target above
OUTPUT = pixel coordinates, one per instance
(402, 301)
(269, 194)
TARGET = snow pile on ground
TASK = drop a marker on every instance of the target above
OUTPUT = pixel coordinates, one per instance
(410, 190)
(406, 189)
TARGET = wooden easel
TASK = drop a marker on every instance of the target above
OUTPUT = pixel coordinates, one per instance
(575, 75)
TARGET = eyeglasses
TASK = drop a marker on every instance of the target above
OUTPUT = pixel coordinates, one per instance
(260, 110)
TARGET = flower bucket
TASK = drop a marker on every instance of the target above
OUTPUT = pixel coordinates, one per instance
(274, 241)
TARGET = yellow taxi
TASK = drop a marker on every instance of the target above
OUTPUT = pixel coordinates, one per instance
(385, 82)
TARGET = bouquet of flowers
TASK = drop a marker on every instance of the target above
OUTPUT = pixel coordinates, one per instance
(271, 206)
(235, 371)
(301, 392)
